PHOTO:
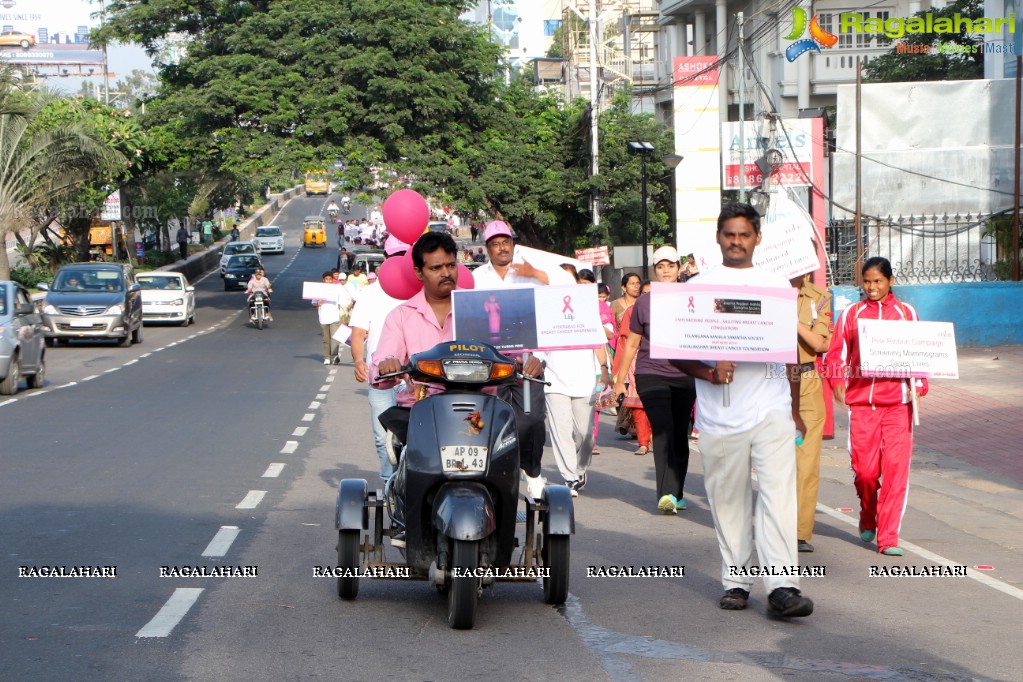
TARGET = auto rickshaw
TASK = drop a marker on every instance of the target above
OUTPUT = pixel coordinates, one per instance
(314, 231)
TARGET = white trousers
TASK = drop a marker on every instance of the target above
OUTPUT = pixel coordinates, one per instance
(770, 447)
(570, 421)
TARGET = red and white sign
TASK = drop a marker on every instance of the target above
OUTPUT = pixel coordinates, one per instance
(111, 211)
(595, 256)
(796, 147)
(896, 348)
(696, 71)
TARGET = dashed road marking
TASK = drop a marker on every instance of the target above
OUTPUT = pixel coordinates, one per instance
(308, 417)
(221, 542)
(8, 401)
(314, 405)
(112, 369)
(289, 447)
(251, 500)
(91, 377)
(274, 470)
(144, 355)
(171, 613)
(321, 396)
(325, 387)
(330, 379)
(300, 431)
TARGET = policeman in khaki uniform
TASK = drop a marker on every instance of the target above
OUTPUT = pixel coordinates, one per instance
(814, 336)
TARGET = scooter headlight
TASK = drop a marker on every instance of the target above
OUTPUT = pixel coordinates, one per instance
(467, 370)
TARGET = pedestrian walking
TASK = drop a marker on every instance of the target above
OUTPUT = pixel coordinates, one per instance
(814, 330)
(182, 239)
(755, 430)
(330, 321)
(880, 411)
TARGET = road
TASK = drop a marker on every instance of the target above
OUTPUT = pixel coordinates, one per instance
(139, 458)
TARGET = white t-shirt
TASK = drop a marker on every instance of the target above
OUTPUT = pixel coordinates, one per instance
(370, 312)
(753, 392)
(328, 312)
(571, 372)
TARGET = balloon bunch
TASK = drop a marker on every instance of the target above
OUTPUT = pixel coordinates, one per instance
(407, 217)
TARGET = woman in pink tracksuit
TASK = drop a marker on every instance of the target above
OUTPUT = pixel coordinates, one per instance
(880, 412)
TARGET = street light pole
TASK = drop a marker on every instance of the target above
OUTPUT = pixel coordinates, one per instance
(646, 271)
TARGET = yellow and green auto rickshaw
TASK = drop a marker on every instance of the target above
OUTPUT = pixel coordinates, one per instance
(314, 231)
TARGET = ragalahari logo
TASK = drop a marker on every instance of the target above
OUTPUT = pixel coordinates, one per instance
(818, 36)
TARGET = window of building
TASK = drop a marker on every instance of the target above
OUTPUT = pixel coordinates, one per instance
(550, 26)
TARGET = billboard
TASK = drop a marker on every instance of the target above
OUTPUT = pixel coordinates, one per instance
(57, 32)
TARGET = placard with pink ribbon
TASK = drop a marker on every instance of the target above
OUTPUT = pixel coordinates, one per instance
(530, 318)
(720, 322)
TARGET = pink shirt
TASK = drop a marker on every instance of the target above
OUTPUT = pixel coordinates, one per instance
(409, 329)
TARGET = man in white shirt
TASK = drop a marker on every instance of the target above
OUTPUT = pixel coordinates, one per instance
(755, 430)
(505, 270)
(367, 323)
(330, 320)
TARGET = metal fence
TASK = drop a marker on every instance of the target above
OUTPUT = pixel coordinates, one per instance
(922, 249)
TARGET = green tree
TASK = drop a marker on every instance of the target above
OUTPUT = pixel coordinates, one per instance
(39, 163)
(965, 63)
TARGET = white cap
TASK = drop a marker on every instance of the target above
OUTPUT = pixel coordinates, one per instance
(665, 253)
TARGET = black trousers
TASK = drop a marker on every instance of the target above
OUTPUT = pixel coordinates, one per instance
(184, 249)
(668, 403)
(529, 428)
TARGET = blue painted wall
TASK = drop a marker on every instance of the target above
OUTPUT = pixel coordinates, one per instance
(984, 313)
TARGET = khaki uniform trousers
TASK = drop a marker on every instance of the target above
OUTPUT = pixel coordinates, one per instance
(808, 455)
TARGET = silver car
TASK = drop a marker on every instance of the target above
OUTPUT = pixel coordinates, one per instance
(234, 249)
(269, 239)
(22, 349)
(94, 301)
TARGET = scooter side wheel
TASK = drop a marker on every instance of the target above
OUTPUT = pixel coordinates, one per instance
(556, 558)
(348, 561)
(464, 591)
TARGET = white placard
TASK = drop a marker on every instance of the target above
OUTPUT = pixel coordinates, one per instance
(545, 260)
(324, 291)
(900, 349)
(343, 334)
(786, 245)
(723, 322)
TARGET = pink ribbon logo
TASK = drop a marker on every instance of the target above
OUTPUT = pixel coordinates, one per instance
(692, 306)
(568, 305)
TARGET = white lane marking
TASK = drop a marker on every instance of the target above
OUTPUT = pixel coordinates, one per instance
(314, 405)
(325, 387)
(332, 373)
(321, 396)
(993, 583)
(35, 393)
(70, 383)
(329, 379)
(130, 362)
(300, 431)
(251, 500)
(308, 417)
(91, 377)
(144, 355)
(221, 542)
(112, 369)
(157, 350)
(289, 447)
(273, 471)
(170, 345)
(171, 613)
(8, 402)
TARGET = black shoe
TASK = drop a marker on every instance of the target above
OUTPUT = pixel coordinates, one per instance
(734, 599)
(787, 602)
(805, 546)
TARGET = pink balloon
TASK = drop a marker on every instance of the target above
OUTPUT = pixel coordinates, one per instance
(406, 215)
(397, 279)
(465, 278)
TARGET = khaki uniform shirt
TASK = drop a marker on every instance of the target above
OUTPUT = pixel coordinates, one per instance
(815, 312)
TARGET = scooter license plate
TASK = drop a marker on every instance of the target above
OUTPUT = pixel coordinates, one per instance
(456, 458)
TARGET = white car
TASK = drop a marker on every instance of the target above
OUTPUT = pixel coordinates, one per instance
(167, 297)
(269, 239)
(235, 249)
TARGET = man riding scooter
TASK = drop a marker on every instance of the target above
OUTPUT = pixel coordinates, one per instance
(332, 210)
(259, 283)
(418, 325)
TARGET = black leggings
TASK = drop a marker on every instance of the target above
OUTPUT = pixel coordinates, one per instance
(668, 403)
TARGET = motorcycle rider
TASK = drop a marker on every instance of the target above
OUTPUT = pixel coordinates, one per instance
(332, 209)
(259, 283)
(346, 202)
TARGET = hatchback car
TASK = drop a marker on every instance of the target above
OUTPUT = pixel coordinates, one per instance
(239, 270)
(167, 297)
(22, 346)
(93, 301)
(10, 37)
(235, 248)
(314, 231)
(269, 239)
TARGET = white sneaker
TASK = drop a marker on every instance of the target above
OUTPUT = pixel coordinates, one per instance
(326, 361)
(534, 485)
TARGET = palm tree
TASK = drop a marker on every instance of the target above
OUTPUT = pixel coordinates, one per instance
(39, 165)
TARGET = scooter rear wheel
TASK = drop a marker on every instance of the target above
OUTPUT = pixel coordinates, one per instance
(464, 591)
(348, 561)
(555, 556)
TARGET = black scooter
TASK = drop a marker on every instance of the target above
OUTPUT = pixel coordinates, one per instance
(455, 496)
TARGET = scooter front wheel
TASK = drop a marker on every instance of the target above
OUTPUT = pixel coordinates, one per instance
(464, 591)
(555, 555)
(348, 561)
